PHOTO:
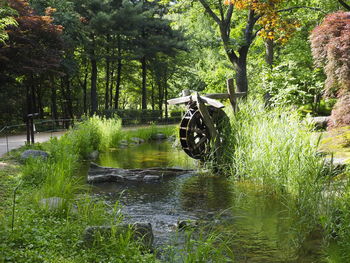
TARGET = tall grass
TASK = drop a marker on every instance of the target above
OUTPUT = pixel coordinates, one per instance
(274, 148)
(58, 176)
(147, 133)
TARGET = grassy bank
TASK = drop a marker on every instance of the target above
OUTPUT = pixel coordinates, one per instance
(37, 233)
(278, 150)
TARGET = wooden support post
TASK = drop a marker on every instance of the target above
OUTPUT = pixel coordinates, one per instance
(206, 116)
(215, 144)
(231, 92)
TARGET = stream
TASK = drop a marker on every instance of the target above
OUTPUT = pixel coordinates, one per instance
(260, 227)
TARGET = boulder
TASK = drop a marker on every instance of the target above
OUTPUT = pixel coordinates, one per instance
(152, 178)
(93, 155)
(338, 164)
(187, 224)
(172, 138)
(321, 122)
(123, 144)
(158, 137)
(34, 154)
(100, 174)
(141, 232)
(136, 140)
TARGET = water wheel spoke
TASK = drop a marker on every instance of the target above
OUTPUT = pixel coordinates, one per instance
(200, 142)
(198, 131)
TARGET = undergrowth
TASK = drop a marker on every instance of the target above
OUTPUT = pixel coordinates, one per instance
(274, 148)
(45, 233)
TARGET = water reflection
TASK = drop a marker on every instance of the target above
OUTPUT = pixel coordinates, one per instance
(259, 226)
(157, 154)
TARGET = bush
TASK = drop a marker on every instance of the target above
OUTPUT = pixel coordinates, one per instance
(131, 116)
(341, 112)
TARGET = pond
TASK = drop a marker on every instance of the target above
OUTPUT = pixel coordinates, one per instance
(260, 227)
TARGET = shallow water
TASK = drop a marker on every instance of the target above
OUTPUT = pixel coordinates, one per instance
(260, 228)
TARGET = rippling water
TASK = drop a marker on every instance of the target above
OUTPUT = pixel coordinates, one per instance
(261, 229)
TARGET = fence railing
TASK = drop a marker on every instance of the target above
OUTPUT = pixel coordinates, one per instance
(14, 136)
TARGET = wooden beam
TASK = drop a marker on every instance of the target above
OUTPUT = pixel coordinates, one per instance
(180, 100)
(211, 102)
(188, 99)
(206, 117)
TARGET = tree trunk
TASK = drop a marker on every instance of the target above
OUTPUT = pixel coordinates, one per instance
(166, 93)
(54, 114)
(152, 96)
(111, 85)
(107, 75)
(119, 74)
(68, 97)
(144, 80)
(94, 102)
(29, 111)
(269, 46)
(160, 96)
(39, 95)
(241, 74)
(84, 86)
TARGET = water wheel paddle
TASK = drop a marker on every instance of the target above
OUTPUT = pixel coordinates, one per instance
(195, 136)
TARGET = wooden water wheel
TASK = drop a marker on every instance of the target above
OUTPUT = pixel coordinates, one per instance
(195, 137)
(204, 125)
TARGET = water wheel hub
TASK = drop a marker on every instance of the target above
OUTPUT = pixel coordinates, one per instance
(195, 137)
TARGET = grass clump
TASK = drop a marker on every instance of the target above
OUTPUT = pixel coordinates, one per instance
(148, 133)
(274, 148)
(45, 234)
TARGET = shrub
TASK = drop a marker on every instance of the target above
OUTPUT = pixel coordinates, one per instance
(341, 112)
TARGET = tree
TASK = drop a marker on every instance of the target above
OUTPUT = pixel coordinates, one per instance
(330, 44)
(261, 18)
(344, 4)
(32, 52)
(6, 19)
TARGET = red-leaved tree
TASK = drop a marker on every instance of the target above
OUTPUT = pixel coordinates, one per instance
(34, 46)
(32, 53)
(330, 44)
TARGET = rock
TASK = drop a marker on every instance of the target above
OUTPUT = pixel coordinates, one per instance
(93, 155)
(337, 163)
(321, 122)
(137, 140)
(151, 178)
(187, 224)
(172, 138)
(123, 144)
(34, 154)
(52, 203)
(158, 136)
(141, 232)
(99, 174)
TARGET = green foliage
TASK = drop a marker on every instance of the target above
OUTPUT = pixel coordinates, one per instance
(42, 236)
(290, 83)
(148, 132)
(272, 147)
(6, 19)
(133, 116)
(204, 245)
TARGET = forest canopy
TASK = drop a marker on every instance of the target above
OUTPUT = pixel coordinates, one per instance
(64, 59)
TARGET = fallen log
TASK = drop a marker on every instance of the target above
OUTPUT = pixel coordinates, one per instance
(100, 174)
